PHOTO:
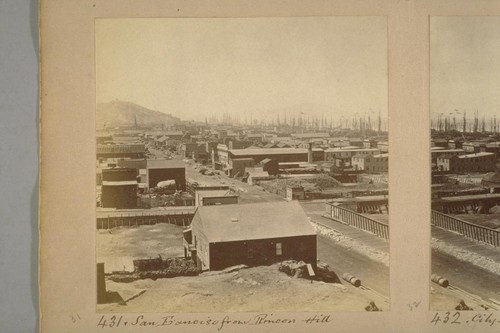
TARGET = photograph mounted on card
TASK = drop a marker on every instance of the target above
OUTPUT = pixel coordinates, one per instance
(465, 149)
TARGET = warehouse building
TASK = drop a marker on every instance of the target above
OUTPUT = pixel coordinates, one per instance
(345, 154)
(162, 170)
(135, 150)
(215, 197)
(119, 188)
(478, 162)
(371, 163)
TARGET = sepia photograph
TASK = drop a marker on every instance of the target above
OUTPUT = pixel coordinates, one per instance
(242, 165)
(465, 154)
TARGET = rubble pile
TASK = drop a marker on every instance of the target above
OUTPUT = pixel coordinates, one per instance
(156, 269)
(315, 183)
(298, 269)
(294, 268)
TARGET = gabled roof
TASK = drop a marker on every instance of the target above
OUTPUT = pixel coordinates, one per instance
(266, 220)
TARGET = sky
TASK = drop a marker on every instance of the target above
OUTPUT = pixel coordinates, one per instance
(465, 65)
(195, 68)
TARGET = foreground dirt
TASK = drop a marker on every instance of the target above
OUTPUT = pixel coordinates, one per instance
(253, 289)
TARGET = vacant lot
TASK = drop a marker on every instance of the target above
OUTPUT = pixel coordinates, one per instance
(118, 247)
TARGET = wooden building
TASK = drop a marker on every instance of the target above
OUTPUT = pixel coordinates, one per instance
(161, 170)
(251, 234)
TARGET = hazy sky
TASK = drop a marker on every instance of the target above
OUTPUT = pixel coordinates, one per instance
(196, 67)
(465, 65)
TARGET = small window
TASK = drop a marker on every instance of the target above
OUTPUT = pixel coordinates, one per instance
(279, 250)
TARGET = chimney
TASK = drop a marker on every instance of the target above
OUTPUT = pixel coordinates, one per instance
(310, 153)
(230, 144)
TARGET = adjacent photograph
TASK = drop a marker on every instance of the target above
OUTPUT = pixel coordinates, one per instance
(242, 164)
(465, 152)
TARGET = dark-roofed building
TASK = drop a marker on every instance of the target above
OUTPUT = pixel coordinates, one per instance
(215, 197)
(278, 154)
(492, 181)
(161, 170)
(135, 150)
(196, 150)
(345, 154)
(237, 166)
(308, 136)
(119, 194)
(437, 152)
(477, 162)
(137, 163)
(250, 234)
(174, 134)
(271, 166)
(119, 188)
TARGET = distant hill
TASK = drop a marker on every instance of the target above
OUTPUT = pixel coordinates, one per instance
(119, 113)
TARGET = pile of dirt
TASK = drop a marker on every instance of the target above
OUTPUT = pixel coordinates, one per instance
(156, 269)
(311, 183)
(299, 270)
(253, 289)
(294, 268)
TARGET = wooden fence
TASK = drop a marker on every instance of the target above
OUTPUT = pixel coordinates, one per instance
(470, 230)
(180, 219)
(357, 220)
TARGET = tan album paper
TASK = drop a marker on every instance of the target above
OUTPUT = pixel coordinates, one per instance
(269, 166)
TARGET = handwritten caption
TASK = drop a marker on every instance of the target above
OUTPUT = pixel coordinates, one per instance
(471, 319)
(223, 322)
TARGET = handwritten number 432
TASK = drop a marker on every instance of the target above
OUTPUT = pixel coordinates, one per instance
(453, 319)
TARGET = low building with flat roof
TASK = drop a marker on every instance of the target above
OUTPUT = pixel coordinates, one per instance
(216, 197)
(161, 170)
(119, 194)
(477, 162)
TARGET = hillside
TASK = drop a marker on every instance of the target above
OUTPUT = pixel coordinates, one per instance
(119, 113)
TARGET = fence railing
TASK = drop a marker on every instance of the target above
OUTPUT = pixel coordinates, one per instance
(470, 230)
(180, 219)
(358, 220)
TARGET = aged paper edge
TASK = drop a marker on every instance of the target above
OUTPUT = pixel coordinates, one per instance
(68, 97)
